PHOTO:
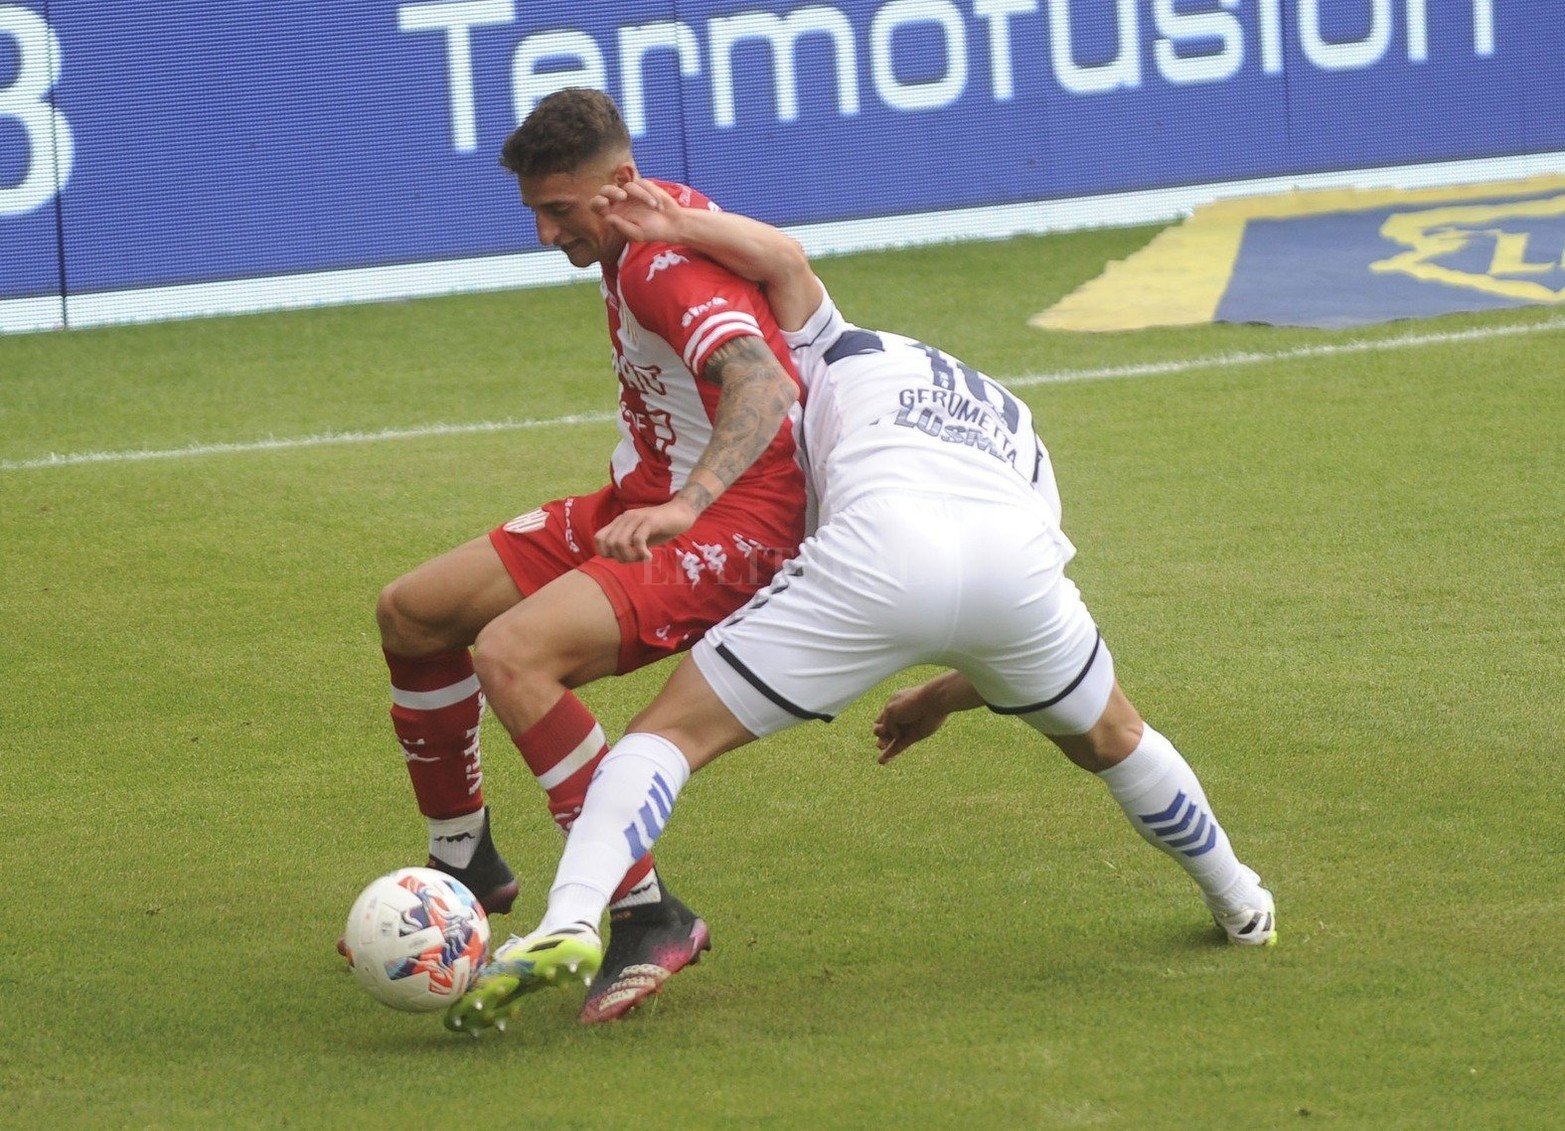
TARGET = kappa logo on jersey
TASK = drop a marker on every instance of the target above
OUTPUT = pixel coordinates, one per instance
(664, 259)
(697, 311)
(527, 523)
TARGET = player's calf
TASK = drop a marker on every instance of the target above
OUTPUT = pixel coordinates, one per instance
(1164, 801)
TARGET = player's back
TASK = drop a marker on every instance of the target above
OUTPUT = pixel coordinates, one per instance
(884, 412)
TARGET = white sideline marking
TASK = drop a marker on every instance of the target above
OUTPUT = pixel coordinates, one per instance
(1148, 369)
(1224, 360)
(319, 440)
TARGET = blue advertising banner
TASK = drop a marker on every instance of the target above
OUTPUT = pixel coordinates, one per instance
(172, 158)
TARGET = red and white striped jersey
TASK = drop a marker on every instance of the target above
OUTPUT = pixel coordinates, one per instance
(669, 308)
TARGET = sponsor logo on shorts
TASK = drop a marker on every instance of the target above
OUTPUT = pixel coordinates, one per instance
(746, 565)
(712, 556)
(527, 523)
(707, 557)
(691, 564)
(570, 535)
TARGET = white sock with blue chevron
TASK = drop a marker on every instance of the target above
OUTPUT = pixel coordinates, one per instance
(1161, 795)
(628, 803)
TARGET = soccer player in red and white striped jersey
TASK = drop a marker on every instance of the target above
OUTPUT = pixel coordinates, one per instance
(705, 500)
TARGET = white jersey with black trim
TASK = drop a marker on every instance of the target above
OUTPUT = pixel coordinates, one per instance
(887, 413)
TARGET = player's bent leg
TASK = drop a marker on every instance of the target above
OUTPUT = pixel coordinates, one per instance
(648, 945)
(444, 603)
(1163, 799)
(565, 635)
(630, 801)
(1109, 741)
(689, 713)
(427, 618)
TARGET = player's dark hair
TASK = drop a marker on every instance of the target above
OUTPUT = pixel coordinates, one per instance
(565, 132)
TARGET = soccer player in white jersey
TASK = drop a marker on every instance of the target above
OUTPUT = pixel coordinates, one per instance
(939, 542)
(705, 470)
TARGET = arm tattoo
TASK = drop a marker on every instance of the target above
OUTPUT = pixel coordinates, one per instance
(757, 394)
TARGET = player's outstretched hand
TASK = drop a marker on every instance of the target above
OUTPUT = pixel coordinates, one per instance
(907, 717)
(639, 210)
(629, 537)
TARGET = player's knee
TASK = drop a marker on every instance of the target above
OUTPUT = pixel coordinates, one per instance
(403, 631)
(1109, 741)
(1113, 742)
(505, 659)
(1113, 736)
(389, 617)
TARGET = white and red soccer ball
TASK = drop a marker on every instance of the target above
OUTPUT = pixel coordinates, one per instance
(416, 939)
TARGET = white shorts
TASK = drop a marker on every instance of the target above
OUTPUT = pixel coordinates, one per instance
(895, 581)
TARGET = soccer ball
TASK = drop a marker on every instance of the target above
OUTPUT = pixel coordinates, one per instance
(416, 939)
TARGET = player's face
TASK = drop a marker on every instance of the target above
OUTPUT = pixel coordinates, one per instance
(559, 205)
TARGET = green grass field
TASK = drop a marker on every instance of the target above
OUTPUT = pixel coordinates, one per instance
(1334, 580)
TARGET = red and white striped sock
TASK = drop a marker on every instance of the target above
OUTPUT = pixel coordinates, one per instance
(435, 709)
(563, 749)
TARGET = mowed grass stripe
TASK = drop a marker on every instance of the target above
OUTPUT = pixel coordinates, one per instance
(1066, 376)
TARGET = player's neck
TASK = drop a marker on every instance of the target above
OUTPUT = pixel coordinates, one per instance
(611, 255)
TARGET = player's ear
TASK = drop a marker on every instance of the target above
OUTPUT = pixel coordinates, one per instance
(625, 172)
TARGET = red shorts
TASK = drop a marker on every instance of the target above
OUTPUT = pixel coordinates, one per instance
(665, 605)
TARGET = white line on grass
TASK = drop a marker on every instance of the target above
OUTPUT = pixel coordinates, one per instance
(321, 439)
(1149, 369)
(1223, 360)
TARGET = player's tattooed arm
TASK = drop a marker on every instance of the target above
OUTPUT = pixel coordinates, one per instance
(757, 394)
